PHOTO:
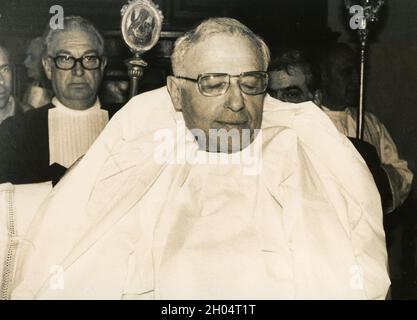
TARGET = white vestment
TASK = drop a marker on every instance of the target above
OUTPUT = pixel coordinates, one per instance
(400, 177)
(124, 224)
(72, 132)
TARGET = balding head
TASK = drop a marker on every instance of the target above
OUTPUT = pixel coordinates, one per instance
(212, 27)
(219, 83)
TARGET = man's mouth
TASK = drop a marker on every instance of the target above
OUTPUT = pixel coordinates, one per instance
(239, 123)
(232, 125)
(79, 84)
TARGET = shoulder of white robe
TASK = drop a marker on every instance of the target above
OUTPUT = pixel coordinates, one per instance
(132, 118)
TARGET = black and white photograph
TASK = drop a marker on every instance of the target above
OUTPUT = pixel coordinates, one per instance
(208, 150)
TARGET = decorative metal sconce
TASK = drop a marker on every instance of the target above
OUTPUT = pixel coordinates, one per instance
(141, 27)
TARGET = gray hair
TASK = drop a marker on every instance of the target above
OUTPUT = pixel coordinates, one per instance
(74, 23)
(213, 26)
(295, 58)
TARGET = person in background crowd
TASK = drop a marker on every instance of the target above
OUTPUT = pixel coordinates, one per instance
(39, 91)
(41, 144)
(9, 105)
(335, 89)
(296, 80)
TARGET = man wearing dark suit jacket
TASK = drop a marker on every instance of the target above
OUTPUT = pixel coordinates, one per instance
(41, 144)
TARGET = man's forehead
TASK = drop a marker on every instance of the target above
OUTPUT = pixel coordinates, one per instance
(223, 52)
(74, 41)
(283, 79)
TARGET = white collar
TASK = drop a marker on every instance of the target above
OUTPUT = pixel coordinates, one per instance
(59, 105)
(328, 110)
(72, 132)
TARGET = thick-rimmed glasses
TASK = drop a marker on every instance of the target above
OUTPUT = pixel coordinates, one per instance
(216, 84)
(67, 62)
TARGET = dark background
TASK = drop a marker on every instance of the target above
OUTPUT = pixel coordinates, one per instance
(277, 21)
(391, 86)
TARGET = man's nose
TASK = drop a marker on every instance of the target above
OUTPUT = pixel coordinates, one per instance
(78, 69)
(1, 79)
(235, 98)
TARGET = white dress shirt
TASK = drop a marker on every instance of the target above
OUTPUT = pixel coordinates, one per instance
(72, 132)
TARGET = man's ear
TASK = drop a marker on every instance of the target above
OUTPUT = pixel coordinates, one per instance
(317, 98)
(174, 89)
(46, 63)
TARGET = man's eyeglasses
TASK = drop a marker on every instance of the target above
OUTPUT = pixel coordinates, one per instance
(67, 62)
(216, 84)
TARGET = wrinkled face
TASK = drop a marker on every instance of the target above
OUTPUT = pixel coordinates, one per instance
(76, 88)
(233, 111)
(33, 61)
(289, 87)
(5, 79)
(341, 86)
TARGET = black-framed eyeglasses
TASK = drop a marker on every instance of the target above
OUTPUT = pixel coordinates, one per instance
(216, 84)
(67, 62)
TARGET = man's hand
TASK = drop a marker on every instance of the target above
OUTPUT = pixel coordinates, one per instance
(369, 154)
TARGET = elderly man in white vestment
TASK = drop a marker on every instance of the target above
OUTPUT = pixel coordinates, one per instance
(210, 189)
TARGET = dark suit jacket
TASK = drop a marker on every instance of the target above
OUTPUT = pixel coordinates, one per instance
(24, 149)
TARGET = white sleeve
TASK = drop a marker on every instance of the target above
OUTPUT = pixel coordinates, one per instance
(399, 175)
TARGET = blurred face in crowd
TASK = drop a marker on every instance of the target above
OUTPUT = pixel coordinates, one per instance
(341, 81)
(289, 87)
(5, 78)
(76, 88)
(33, 61)
(234, 109)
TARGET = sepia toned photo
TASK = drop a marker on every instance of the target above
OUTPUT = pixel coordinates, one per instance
(212, 155)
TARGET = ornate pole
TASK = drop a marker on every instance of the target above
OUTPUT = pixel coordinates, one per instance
(363, 34)
(141, 28)
(135, 68)
(364, 13)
